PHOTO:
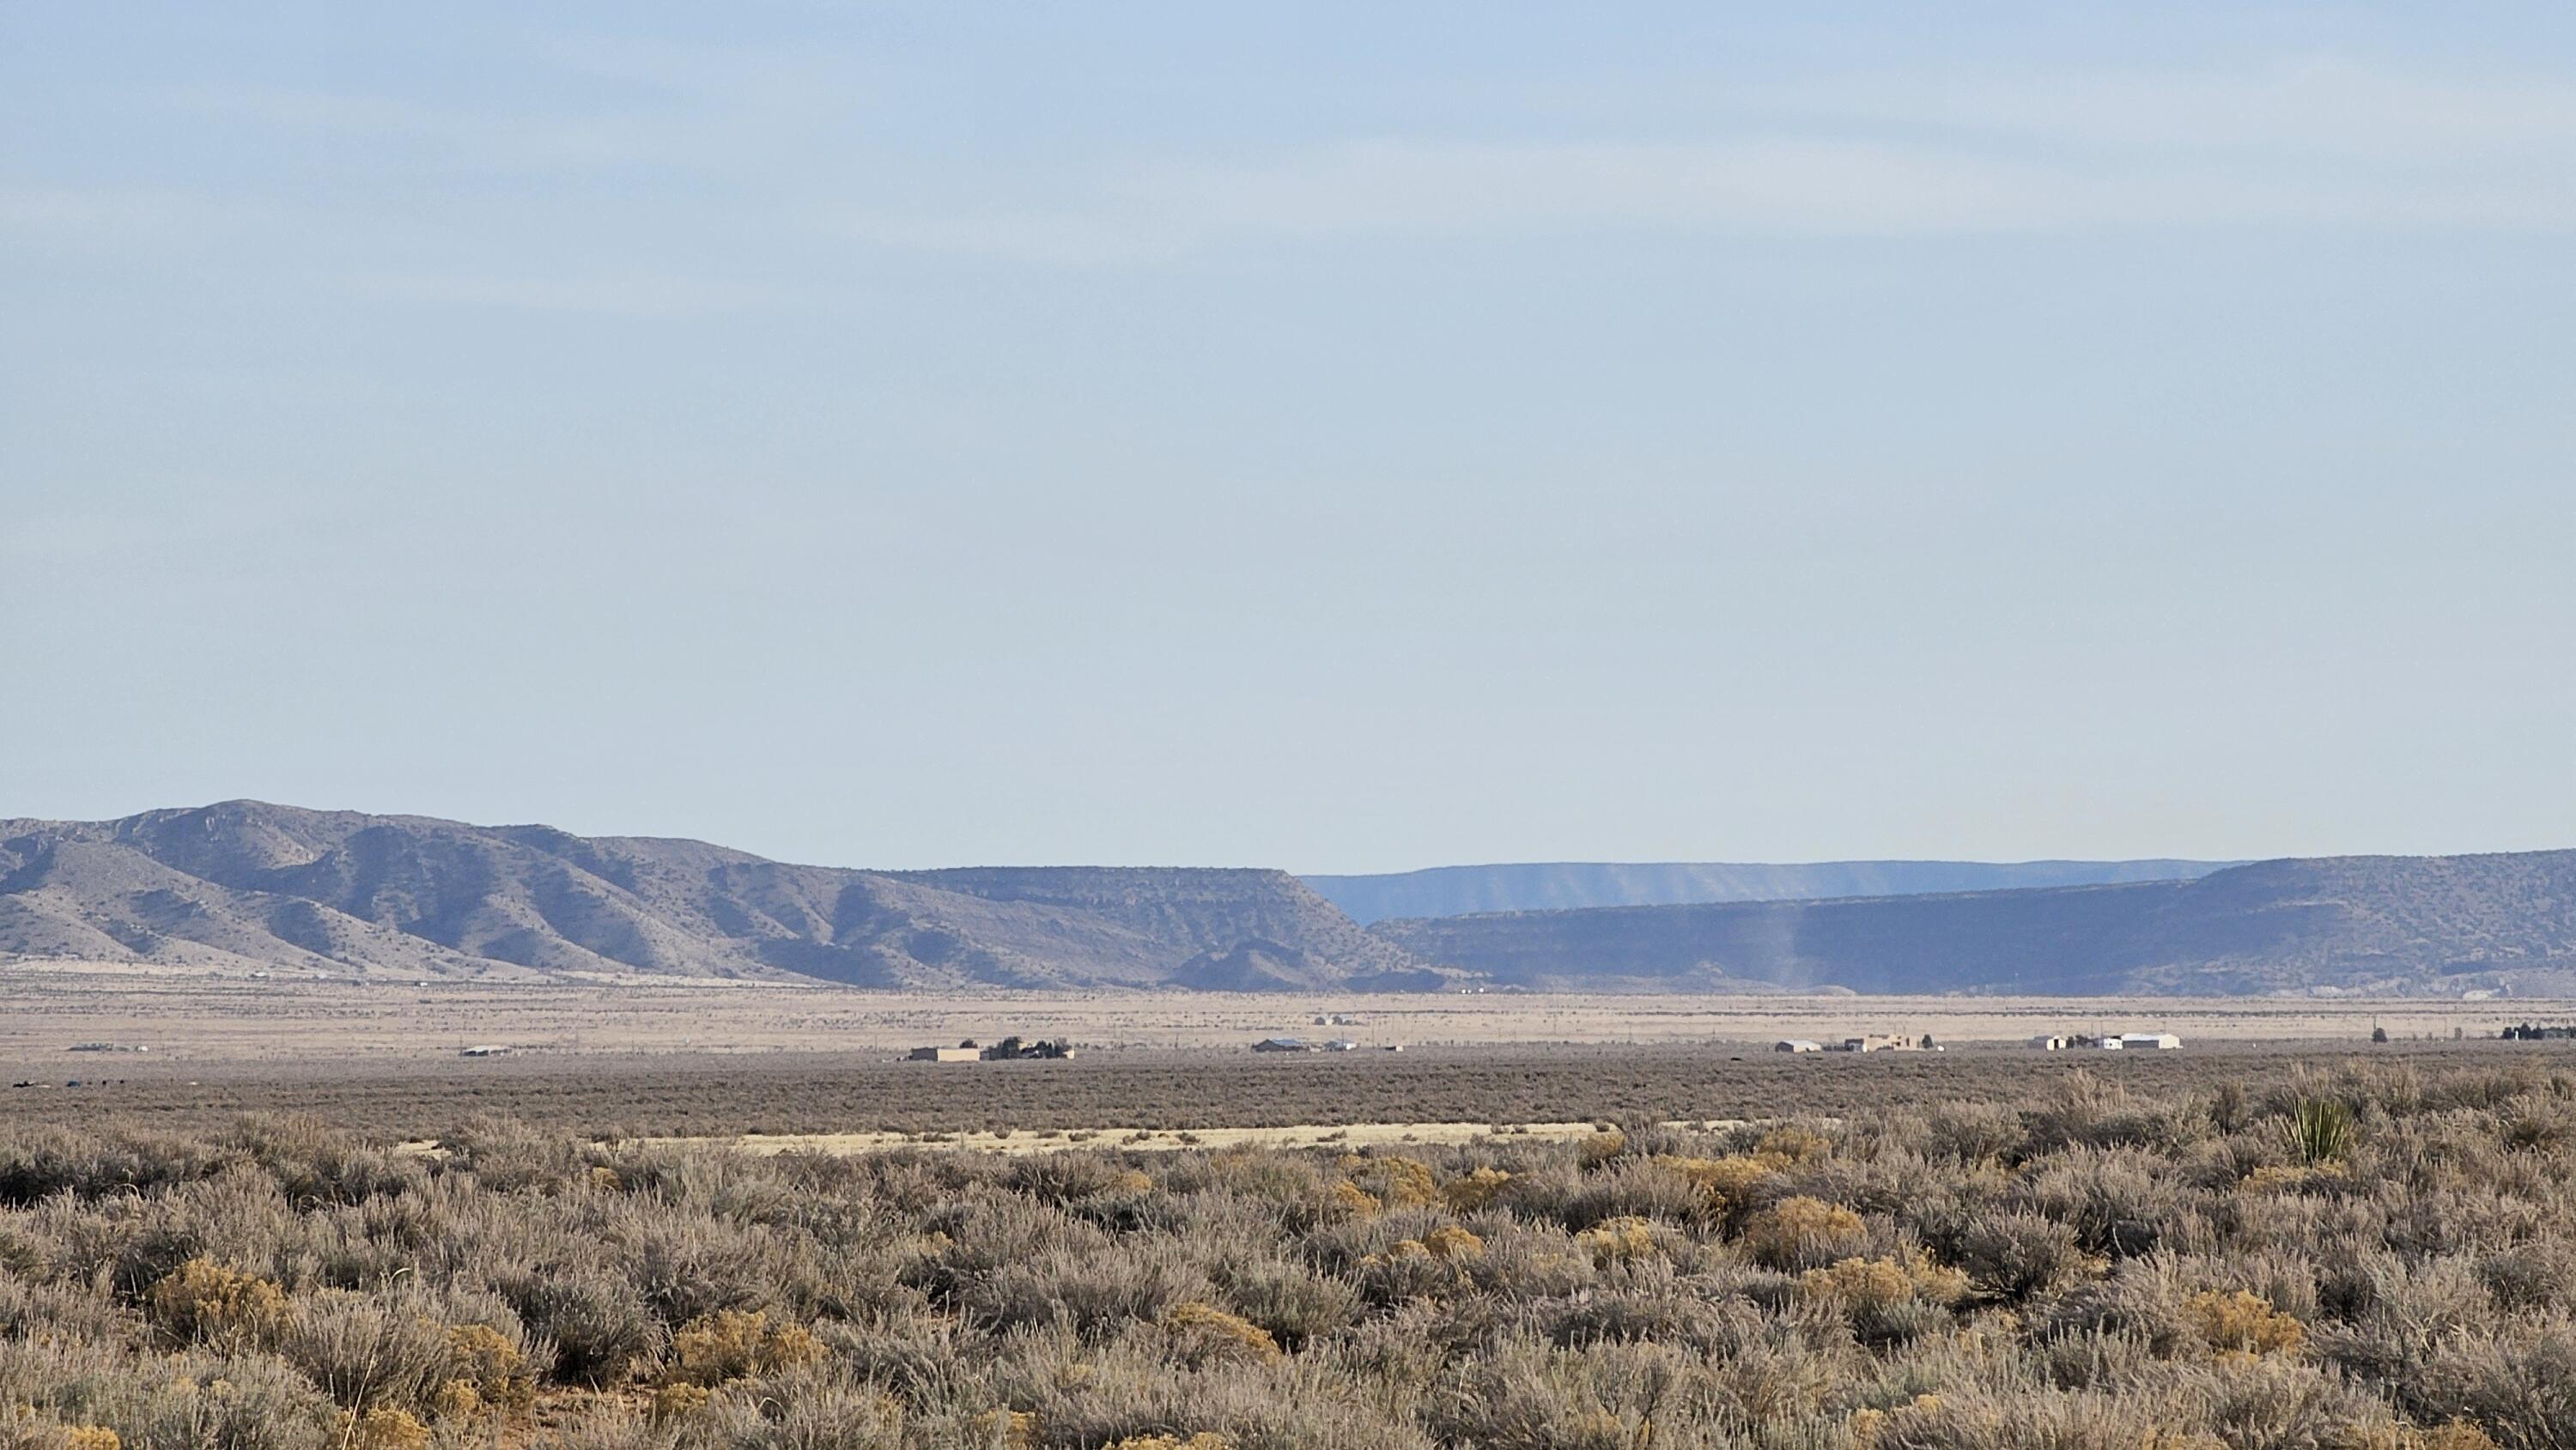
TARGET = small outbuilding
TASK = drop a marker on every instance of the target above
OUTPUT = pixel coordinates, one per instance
(1796, 1044)
(1879, 1042)
(947, 1054)
(2049, 1042)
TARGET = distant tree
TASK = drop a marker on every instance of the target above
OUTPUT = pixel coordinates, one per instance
(2378, 1033)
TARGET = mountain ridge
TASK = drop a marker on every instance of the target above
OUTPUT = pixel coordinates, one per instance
(1575, 885)
(2502, 921)
(249, 885)
(253, 884)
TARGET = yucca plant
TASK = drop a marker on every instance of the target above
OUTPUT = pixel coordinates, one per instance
(2318, 1130)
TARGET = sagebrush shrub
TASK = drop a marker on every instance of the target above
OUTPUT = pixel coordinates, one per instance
(367, 1351)
(597, 1322)
(2016, 1256)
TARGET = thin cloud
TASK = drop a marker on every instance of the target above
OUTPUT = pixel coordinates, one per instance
(619, 293)
(1869, 159)
(1789, 187)
(495, 142)
(2319, 107)
(94, 214)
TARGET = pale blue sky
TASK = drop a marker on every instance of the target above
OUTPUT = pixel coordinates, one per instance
(1344, 438)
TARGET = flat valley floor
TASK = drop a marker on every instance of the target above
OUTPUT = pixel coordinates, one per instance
(657, 1059)
(207, 1022)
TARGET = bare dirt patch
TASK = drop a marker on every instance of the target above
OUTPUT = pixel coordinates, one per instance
(1294, 1135)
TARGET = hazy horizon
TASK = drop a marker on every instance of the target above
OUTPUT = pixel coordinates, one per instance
(1330, 438)
(1465, 865)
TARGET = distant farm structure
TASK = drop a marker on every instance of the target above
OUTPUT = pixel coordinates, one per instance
(1859, 1042)
(2106, 1041)
(1886, 1042)
(1008, 1049)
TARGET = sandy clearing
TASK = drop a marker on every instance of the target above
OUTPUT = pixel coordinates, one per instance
(1303, 1135)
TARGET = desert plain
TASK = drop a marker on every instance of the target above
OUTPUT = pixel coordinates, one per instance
(209, 1021)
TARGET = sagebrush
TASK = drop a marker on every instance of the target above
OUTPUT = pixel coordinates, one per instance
(2098, 1269)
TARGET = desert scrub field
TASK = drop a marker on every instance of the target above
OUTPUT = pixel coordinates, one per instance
(706, 1095)
(2377, 1257)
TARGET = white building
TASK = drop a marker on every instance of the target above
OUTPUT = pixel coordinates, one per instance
(1797, 1044)
(2049, 1042)
(2150, 1041)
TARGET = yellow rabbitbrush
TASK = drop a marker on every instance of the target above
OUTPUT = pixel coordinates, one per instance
(731, 1344)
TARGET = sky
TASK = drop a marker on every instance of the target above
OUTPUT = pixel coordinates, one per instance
(1339, 437)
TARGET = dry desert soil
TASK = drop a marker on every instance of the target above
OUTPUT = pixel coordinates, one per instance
(821, 1067)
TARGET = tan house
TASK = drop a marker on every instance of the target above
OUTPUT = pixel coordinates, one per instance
(1879, 1042)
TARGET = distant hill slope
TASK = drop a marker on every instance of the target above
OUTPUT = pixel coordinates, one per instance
(2360, 923)
(246, 884)
(1573, 885)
